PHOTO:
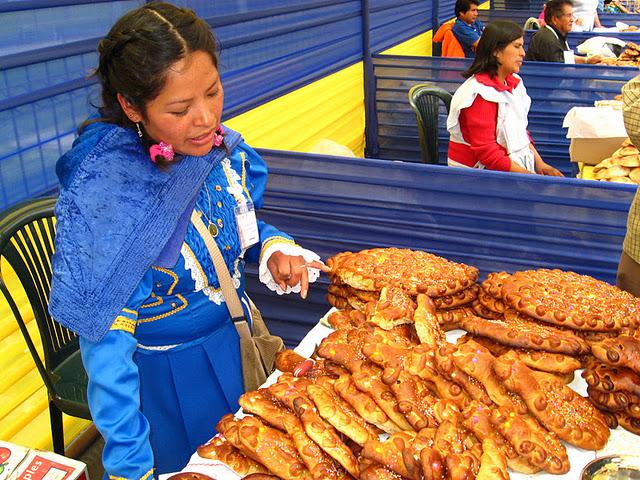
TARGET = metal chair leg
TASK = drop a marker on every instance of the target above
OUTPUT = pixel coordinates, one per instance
(57, 432)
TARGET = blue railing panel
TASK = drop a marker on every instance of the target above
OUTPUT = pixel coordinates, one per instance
(493, 220)
(553, 88)
(521, 16)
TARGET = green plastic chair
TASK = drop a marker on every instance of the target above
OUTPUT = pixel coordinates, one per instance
(27, 232)
(425, 99)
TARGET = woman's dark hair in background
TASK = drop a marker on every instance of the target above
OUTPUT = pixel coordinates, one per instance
(136, 54)
(495, 37)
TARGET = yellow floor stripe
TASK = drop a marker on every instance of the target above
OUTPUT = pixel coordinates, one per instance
(22, 391)
(24, 413)
(37, 433)
(15, 371)
(16, 357)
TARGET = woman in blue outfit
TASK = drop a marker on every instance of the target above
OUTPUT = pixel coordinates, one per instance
(131, 274)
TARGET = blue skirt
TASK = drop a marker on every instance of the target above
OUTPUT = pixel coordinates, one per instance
(185, 391)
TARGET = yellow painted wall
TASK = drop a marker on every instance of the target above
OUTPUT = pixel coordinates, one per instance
(331, 108)
(418, 46)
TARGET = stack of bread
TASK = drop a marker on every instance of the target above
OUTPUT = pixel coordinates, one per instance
(615, 103)
(494, 401)
(614, 380)
(583, 320)
(384, 282)
(623, 166)
(630, 57)
(449, 411)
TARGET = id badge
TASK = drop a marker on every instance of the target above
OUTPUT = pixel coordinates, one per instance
(247, 225)
(569, 57)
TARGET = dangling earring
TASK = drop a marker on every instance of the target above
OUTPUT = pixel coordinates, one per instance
(139, 130)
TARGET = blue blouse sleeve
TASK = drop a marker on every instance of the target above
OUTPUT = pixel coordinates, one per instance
(253, 170)
(114, 393)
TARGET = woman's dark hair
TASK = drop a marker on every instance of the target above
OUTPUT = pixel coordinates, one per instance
(495, 38)
(136, 54)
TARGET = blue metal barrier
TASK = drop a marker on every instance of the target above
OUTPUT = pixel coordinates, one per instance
(516, 4)
(446, 10)
(553, 88)
(493, 220)
(576, 38)
(47, 51)
(520, 16)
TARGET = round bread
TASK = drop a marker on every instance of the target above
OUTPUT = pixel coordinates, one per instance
(615, 171)
(190, 476)
(571, 300)
(620, 180)
(602, 174)
(635, 175)
(628, 161)
(414, 271)
(345, 291)
(260, 476)
(625, 151)
(606, 163)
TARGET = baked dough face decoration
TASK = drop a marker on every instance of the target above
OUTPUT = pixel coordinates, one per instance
(571, 300)
(412, 270)
(190, 476)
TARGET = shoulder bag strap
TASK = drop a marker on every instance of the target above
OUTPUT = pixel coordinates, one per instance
(226, 284)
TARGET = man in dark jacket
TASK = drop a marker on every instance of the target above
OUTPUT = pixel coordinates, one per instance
(549, 44)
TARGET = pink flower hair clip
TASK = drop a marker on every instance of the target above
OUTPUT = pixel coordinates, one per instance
(218, 136)
(162, 149)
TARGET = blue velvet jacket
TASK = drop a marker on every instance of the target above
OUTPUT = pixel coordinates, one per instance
(98, 263)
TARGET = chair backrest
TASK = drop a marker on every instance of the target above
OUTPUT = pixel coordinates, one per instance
(425, 98)
(27, 233)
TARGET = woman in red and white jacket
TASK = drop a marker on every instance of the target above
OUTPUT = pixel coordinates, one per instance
(487, 121)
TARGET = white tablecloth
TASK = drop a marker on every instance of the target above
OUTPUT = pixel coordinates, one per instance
(594, 122)
(621, 441)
